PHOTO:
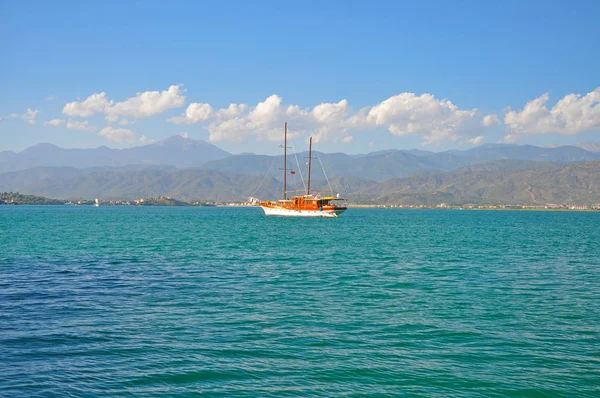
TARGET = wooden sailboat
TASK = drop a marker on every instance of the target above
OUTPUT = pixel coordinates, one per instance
(308, 205)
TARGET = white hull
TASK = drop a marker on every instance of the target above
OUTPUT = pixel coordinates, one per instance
(270, 211)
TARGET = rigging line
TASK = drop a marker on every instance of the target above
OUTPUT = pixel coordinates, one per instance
(298, 164)
(265, 177)
(324, 173)
(336, 180)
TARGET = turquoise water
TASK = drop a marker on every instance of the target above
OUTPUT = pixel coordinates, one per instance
(227, 302)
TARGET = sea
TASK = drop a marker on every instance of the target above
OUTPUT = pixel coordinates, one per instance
(225, 302)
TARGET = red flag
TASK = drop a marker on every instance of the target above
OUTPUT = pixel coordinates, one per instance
(292, 172)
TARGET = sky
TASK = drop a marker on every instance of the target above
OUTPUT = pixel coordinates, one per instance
(358, 76)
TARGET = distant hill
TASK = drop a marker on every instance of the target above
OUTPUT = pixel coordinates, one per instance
(183, 152)
(589, 146)
(503, 182)
(383, 165)
(376, 167)
(490, 173)
(187, 184)
(561, 154)
(174, 151)
(15, 198)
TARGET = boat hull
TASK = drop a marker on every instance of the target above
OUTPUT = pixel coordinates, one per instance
(280, 212)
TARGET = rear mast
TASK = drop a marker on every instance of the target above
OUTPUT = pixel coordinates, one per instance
(309, 160)
(285, 162)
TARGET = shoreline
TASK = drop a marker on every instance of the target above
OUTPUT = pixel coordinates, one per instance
(369, 207)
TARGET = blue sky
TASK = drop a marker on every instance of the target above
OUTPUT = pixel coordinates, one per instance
(389, 74)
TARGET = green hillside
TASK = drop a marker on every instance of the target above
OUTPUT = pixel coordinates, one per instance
(506, 182)
(498, 182)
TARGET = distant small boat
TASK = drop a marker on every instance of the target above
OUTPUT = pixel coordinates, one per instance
(309, 205)
(97, 202)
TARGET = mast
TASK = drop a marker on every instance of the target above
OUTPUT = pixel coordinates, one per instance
(285, 161)
(309, 160)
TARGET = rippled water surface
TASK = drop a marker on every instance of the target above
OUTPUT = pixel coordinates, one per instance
(227, 302)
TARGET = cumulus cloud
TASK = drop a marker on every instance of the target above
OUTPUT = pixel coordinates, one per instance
(144, 140)
(424, 115)
(327, 113)
(330, 119)
(403, 114)
(146, 104)
(348, 139)
(111, 118)
(571, 115)
(475, 140)
(28, 116)
(196, 112)
(238, 120)
(95, 103)
(510, 138)
(54, 122)
(80, 125)
(149, 103)
(234, 110)
(264, 121)
(121, 135)
(490, 120)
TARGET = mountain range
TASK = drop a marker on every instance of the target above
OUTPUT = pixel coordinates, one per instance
(184, 152)
(504, 181)
(176, 151)
(497, 182)
(197, 170)
(380, 166)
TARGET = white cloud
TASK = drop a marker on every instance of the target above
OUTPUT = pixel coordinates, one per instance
(475, 140)
(149, 103)
(234, 110)
(265, 120)
(95, 103)
(144, 140)
(331, 119)
(121, 135)
(194, 113)
(146, 104)
(54, 122)
(403, 114)
(185, 135)
(28, 116)
(432, 119)
(327, 113)
(510, 138)
(348, 139)
(124, 122)
(571, 115)
(80, 125)
(490, 120)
